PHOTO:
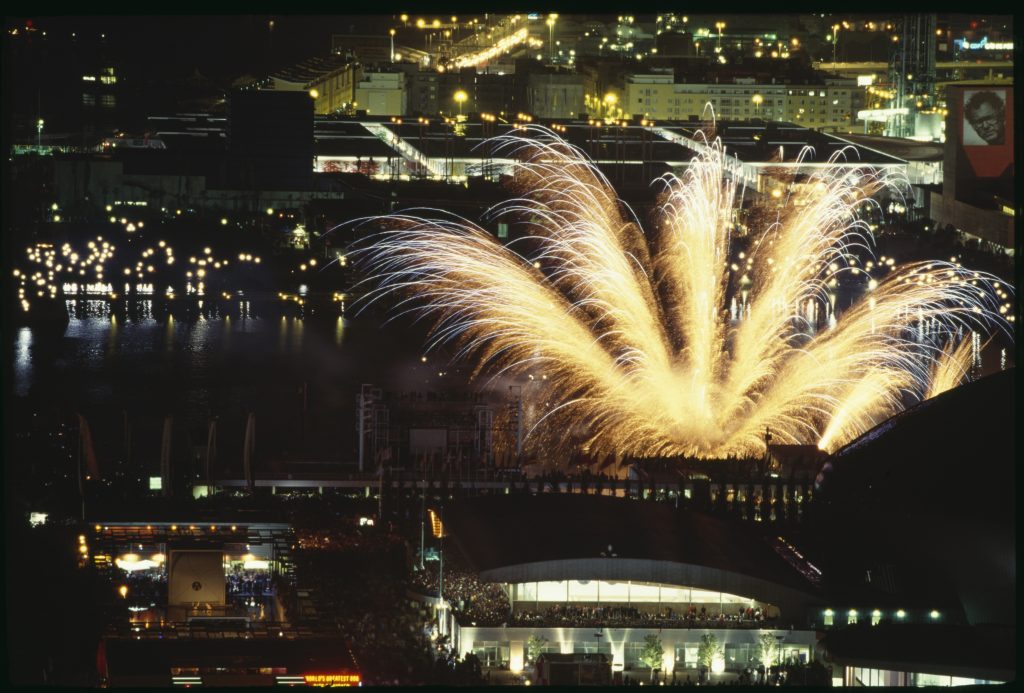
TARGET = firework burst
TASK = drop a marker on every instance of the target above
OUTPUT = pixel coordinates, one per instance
(634, 334)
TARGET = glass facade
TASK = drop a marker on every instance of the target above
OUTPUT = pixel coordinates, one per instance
(600, 591)
(686, 656)
(631, 653)
(492, 653)
(863, 676)
(595, 646)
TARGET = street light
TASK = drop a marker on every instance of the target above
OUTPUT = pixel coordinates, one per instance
(392, 33)
(551, 36)
(39, 132)
(719, 26)
(758, 100)
(460, 98)
(610, 99)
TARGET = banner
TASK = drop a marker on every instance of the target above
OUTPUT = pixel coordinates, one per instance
(986, 131)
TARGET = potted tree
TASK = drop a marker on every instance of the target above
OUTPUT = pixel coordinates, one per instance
(534, 646)
(652, 653)
(707, 652)
(767, 650)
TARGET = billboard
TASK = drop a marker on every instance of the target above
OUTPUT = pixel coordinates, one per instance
(985, 129)
(195, 576)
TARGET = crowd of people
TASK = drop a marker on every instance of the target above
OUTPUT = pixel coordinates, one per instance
(362, 539)
(146, 587)
(587, 616)
(473, 600)
(242, 583)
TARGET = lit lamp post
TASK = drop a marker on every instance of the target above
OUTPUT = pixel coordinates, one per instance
(719, 26)
(551, 35)
(835, 41)
(758, 100)
(610, 100)
(39, 132)
(392, 33)
(460, 98)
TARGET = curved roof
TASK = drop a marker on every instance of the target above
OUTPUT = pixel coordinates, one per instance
(523, 538)
(960, 442)
(930, 493)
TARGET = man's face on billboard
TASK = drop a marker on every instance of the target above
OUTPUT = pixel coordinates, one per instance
(988, 121)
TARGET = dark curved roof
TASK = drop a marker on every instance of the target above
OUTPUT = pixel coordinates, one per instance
(928, 498)
(503, 531)
(961, 442)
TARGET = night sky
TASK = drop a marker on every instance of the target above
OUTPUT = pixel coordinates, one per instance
(220, 47)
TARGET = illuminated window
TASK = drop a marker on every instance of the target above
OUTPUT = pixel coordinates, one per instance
(876, 616)
(829, 614)
(851, 616)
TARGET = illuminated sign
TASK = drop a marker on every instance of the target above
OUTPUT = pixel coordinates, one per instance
(983, 44)
(331, 679)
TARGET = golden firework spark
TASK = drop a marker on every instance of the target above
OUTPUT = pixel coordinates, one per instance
(635, 338)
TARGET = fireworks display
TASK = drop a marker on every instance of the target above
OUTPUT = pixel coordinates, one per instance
(680, 342)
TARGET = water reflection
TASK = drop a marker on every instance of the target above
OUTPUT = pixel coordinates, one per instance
(23, 361)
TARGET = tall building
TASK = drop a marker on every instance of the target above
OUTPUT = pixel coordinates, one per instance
(555, 95)
(827, 106)
(382, 93)
(978, 193)
(331, 81)
(912, 69)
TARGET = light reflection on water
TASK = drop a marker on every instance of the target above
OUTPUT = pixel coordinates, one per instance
(23, 361)
(104, 365)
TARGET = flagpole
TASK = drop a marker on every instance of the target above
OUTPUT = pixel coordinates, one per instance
(423, 520)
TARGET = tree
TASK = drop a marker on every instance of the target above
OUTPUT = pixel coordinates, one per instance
(653, 653)
(767, 649)
(708, 650)
(534, 647)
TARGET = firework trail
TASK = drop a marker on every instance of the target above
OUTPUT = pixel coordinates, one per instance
(634, 335)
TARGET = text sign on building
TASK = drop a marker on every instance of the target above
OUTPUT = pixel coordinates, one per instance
(983, 44)
(331, 679)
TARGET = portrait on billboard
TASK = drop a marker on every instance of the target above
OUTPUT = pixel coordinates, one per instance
(984, 117)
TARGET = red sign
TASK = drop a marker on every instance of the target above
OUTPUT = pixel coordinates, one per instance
(986, 129)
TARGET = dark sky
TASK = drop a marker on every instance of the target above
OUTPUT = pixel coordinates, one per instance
(221, 47)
